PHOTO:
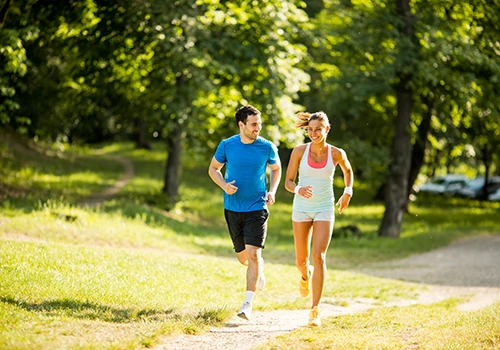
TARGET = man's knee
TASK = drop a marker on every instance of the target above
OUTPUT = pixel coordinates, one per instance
(253, 253)
(242, 258)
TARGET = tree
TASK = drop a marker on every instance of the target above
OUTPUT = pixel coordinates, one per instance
(13, 64)
(219, 56)
(412, 65)
(397, 185)
(44, 93)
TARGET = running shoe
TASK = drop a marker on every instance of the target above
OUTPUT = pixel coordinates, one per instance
(245, 311)
(304, 286)
(314, 319)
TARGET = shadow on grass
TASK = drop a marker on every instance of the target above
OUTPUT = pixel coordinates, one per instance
(52, 181)
(183, 224)
(90, 311)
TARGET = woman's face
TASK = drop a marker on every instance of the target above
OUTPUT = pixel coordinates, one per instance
(317, 130)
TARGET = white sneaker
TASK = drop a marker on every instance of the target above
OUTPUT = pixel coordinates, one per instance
(245, 311)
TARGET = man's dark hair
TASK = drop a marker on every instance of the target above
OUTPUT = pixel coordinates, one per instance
(244, 112)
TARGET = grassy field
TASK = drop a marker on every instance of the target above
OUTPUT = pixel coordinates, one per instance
(437, 326)
(121, 275)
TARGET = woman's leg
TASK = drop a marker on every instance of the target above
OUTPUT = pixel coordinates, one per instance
(321, 233)
(302, 239)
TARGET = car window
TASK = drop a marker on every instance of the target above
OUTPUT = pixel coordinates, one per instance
(492, 187)
(438, 181)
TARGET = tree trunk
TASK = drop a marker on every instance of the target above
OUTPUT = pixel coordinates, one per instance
(418, 151)
(140, 134)
(397, 184)
(174, 146)
(380, 195)
(3, 12)
(173, 166)
(483, 194)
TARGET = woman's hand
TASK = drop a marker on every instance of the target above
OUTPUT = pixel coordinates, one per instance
(306, 191)
(343, 202)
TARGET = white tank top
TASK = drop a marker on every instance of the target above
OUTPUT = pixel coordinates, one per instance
(322, 182)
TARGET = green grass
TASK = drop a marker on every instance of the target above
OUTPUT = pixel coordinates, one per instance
(440, 326)
(121, 275)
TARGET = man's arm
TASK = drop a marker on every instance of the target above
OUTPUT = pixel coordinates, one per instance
(274, 181)
(216, 176)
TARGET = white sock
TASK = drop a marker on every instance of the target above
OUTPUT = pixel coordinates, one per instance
(249, 296)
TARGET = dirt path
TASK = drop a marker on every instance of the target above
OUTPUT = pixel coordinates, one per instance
(98, 198)
(464, 268)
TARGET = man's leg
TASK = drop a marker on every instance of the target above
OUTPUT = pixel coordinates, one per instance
(255, 268)
(242, 257)
(254, 272)
(255, 231)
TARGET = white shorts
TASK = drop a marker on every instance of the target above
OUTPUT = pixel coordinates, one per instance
(301, 216)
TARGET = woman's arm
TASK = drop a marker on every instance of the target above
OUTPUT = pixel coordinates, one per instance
(291, 174)
(340, 158)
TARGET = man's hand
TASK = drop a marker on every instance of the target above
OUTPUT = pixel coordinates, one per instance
(270, 198)
(230, 187)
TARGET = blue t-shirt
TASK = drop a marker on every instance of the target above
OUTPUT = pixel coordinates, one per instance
(246, 163)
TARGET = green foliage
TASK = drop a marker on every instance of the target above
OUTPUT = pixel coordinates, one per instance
(15, 65)
(232, 53)
(101, 68)
(356, 52)
(90, 71)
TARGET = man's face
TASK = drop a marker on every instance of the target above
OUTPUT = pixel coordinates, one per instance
(252, 128)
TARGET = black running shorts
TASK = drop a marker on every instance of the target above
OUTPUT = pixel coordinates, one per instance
(247, 228)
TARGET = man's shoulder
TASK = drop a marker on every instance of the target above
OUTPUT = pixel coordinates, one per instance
(231, 139)
(264, 141)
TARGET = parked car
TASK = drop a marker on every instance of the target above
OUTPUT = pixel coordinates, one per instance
(445, 184)
(474, 188)
(495, 196)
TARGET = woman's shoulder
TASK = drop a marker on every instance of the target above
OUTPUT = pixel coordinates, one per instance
(300, 148)
(298, 151)
(337, 153)
(335, 149)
